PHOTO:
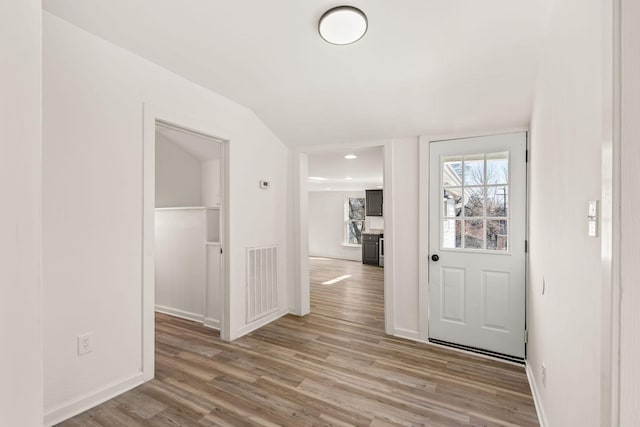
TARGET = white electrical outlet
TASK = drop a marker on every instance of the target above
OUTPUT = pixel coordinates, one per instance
(544, 376)
(84, 344)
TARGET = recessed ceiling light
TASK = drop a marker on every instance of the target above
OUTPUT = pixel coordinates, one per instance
(317, 178)
(348, 178)
(350, 156)
(343, 25)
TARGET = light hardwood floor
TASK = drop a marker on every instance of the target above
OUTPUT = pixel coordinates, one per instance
(334, 367)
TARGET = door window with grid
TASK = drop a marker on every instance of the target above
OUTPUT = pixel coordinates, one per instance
(475, 204)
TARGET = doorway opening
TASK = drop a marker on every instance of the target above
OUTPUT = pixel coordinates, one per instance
(345, 193)
(187, 225)
(185, 230)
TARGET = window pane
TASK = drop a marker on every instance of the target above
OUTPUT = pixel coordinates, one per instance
(356, 208)
(452, 202)
(474, 234)
(498, 168)
(451, 232)
(498, 201)
(497, 235)
(354, 232)
(473, 201)
(452, 171)
(474, 169)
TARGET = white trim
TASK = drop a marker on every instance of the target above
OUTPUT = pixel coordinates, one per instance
(209, 322)
(262, 322)
(537, 400)
(299, 303)
(610, 214)
(423, 239)
(184, 208)
(388, 210)
(212, 323)
(407, 334)
(151, 115)
(423, 225)
(351, 245)
(179, 313)
(89, 400)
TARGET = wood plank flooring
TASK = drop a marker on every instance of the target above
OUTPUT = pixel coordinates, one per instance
(358, 298)
(334, 367)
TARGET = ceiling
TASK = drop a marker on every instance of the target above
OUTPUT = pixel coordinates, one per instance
(365, 171)
(424, 66)
(199, 147)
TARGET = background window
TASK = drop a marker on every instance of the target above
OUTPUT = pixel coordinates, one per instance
(354, 220)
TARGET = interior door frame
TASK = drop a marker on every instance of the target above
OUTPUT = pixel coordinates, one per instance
(423, 219)
(151, 115)
(299, 288)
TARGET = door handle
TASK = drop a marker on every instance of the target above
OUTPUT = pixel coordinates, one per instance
(435, 257)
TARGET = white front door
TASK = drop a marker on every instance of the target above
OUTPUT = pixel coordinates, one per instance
(477, 232)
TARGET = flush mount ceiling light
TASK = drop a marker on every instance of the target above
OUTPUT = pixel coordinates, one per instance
(350, 156)
(342, 25)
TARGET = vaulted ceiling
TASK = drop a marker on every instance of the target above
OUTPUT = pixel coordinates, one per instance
(424, 66)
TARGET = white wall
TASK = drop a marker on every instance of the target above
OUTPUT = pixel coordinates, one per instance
(181, 269)
(93, 103)
(630, 225)
(404, 245)
(565, 165)
(20, 216)
(179, 175)
(211, 183)
(326, 225)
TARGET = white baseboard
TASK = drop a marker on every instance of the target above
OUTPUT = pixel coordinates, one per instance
(537, 401)
(260, 323)
(357, 257)
(180, 313)
(89, 400)
(406, 334)
(212, 323)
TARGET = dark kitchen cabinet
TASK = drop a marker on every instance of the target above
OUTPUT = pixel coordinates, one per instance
(370, 249)
(373, 202)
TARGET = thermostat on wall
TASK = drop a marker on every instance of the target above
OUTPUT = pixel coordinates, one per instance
(265, 185)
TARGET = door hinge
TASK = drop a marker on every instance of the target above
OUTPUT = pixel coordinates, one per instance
(526, 246)
(526, 336)
(526, 156)
(221, 251)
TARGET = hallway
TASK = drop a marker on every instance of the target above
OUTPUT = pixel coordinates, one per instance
(333, 367)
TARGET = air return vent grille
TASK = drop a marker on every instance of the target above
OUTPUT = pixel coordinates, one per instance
(262, 282)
